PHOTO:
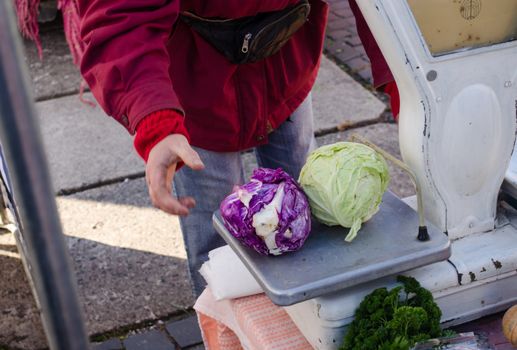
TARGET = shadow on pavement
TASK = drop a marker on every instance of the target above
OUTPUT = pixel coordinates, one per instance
(117, 287)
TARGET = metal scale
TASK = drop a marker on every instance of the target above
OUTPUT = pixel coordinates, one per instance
(455, 64)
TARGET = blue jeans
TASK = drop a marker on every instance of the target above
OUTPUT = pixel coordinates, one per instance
(288, 148)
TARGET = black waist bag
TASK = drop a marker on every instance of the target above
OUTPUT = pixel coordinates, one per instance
(250, 39)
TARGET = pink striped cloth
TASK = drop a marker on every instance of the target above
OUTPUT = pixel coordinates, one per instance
(252, 323)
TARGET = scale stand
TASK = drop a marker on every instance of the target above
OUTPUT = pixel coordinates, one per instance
(455, 66)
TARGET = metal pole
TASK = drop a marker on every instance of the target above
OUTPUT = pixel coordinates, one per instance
(43, 239)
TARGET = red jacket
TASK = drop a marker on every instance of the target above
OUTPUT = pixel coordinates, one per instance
(139, 59)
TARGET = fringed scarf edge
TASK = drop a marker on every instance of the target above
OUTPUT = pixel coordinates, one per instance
(27, 12)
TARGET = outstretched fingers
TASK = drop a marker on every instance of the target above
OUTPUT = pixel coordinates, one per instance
(160, 169)
(160, 191)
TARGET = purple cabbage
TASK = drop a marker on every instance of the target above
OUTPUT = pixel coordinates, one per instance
(272, 202)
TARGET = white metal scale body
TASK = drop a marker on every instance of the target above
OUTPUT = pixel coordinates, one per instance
(455, 64)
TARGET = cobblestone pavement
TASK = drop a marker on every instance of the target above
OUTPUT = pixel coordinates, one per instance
(343, 43)
(182, 333)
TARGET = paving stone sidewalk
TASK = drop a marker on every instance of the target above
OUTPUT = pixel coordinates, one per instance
(343, 43)
(179, 334)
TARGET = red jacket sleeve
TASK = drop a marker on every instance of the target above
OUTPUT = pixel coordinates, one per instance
(126, 63)
(155, 127)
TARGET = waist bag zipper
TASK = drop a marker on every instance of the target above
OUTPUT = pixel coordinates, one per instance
(246, 43)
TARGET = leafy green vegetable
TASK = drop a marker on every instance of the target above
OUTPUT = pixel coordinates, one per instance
(448, 333)
(344, 182)
(395, 319)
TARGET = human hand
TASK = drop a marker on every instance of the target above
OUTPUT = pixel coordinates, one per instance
(160, 169)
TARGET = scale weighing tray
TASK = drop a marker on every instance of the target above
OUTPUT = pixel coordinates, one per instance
(385, 245)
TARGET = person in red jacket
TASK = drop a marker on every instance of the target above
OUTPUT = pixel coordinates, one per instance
(188, 103)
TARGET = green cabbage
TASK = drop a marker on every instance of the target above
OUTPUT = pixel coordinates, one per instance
(344, 182)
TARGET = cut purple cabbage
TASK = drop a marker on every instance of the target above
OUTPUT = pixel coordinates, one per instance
(269, 214)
